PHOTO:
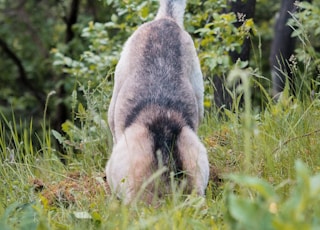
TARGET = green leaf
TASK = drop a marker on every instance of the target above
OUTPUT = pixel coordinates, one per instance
(96, 216)
(58, 136)
(81, 109)
(305, 5)
(144, 12)
(20, 216)
(249, 214)
(315, 187)
(303, 176)
(82, 215)
(109, 2)
(296, 33)
(261, 186)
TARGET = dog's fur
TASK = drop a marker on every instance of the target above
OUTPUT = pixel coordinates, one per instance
(156, 107)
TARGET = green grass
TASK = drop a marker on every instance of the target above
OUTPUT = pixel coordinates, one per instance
(265, 175)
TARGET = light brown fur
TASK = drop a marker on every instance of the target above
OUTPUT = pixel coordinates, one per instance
(150, 91)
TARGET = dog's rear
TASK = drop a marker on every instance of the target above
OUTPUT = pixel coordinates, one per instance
(156, 106)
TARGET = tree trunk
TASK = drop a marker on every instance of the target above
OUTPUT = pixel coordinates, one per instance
(282, 49)
(244, 9)
(61, 112)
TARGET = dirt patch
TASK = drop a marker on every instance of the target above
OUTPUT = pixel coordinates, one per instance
(73, 188)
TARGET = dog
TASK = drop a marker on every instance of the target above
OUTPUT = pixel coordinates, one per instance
(156, 107)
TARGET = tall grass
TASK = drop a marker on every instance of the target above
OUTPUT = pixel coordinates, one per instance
(256, 180)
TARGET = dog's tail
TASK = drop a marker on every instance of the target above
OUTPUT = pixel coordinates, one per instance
(173, 9)
(181, 152)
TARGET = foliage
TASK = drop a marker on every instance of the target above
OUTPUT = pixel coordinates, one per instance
(91, 93)
(23, 216)
(219, 37)
(261, 207)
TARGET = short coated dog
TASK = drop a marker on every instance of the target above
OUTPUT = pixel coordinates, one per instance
(156, 107)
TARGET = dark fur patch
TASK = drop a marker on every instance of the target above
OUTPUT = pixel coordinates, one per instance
(165, 132)
(170, 8)
(166, 104)
(162, 55)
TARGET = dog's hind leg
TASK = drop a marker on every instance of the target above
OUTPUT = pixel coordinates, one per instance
(130, 163)
(194, 160)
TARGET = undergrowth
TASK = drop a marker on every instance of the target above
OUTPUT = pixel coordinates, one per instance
(265, 174)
